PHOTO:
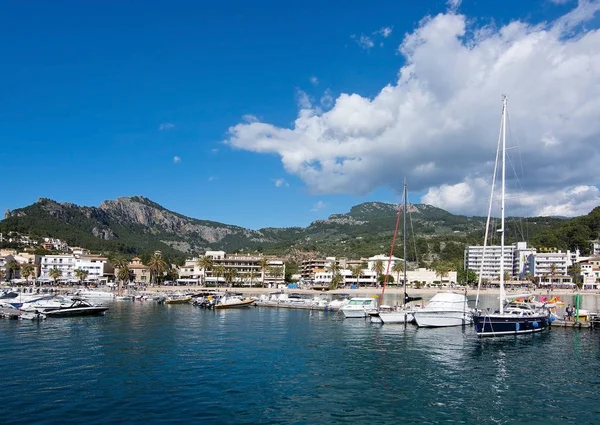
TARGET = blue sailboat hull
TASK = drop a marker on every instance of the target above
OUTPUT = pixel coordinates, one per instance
(496, 324)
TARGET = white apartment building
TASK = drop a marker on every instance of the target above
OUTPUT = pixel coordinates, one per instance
(385, 259)
(541, 263)
(98, 268)
(247, 269)
(488, 263)
(521, 259)
(63, 262)
(4, 260)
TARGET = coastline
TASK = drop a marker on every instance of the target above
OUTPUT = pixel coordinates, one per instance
(369, 291)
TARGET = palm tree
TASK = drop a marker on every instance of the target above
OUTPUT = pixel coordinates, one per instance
(441, 269)
(2, 274)
(574, 272)
(398, 268)
(55, 273)
(157, 266)
(27, 271)
(206, 264)
(12, 266)
(263, 264)
(81, 274)
(218, 271)
(251, 276)
(122, 276)
(357, 272)
(552, 274)
(378, 268)
(230, 275)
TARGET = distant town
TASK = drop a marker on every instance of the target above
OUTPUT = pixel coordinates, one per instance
(68, 265)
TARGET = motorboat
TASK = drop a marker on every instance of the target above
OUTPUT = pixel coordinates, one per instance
(47, 303)
(444, 309)
(95, 295)
(178, 299)
(403, 314)
(359, 307)
(232, 301)
(79, 307)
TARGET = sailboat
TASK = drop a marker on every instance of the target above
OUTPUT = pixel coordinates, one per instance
(508, 320)
(405, 313)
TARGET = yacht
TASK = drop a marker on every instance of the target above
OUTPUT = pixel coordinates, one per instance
(79, 307)
(95, 295)
(359, 307)
(444, 309)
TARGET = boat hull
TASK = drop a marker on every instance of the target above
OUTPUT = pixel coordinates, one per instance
(491, 325)
(439, 319)
(71, 312)
(397, 317)
(244, 303)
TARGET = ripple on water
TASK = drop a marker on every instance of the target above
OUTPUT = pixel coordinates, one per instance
(145, 363)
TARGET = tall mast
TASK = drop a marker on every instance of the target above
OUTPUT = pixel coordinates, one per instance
(504, 102)
(404, 234)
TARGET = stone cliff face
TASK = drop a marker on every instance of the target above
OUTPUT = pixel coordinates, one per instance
(143, 212)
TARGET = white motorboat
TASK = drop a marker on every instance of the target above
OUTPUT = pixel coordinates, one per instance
(404, 314)
(444, 309)
(79, 307)
(47, 303)
(359, 307)
(95, 295)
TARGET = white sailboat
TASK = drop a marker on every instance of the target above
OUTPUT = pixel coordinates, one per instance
(505, 321)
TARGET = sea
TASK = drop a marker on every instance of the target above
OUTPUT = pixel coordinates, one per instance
(145, 363)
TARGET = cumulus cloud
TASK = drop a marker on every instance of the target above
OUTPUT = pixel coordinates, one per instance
(438, 123)
(314, 81)
(453, 5)
(281, 183)
(176, 159)
(385, 32)
(363, 41)
(318, 206)
(166, 126)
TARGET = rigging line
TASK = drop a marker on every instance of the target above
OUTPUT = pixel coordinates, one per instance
(387, 269)
(412, 230)
(513, 135)
(487, 224)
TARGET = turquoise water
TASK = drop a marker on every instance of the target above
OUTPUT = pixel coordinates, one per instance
(149, 363)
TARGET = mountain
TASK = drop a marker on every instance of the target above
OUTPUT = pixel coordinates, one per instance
(135, 225)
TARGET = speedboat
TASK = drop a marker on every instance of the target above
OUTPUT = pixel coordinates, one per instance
(79, 307)
(47, 303)
(232, 301)
(444, 309)
(359, 307)
(404, 314)
(95, 295)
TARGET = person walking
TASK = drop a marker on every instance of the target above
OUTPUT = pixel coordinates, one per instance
(569, 311)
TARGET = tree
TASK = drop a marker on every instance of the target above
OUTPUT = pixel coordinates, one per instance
(81, 274)
(230, 275)
(122, 276)
(398, 268)
(218, 271)
(27, 271)
(378, 268)
(157, 266)
(442, 269)
(552, 274)
(206, 264)
(336, 281)
(357, 272)
(263, 263)
(55, 273)
(13, 267)
(574, 271)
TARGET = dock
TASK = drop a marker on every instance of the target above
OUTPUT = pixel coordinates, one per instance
(576, 324)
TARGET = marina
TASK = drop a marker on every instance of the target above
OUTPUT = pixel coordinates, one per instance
(298, 366)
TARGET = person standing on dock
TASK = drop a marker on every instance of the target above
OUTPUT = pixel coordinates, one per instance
(569, 311)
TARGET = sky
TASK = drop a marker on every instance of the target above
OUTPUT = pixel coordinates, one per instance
(275, 114)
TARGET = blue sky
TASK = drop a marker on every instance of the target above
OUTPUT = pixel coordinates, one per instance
(108, 99)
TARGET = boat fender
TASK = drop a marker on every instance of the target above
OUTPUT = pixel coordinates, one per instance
(535, 324)
(517, 326)
(551, 318)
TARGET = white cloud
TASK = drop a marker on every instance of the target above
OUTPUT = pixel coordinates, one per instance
(560, 1)
(318, 206)
(176, 159)
(385, 32)
(212, 178)
(364, 41)
(438, 123)
(214, 150)
(166, 126)
(326, 100)
(453, 5)
(281, 183)
(314, 81)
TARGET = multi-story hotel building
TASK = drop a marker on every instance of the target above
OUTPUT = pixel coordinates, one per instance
(488, 263)
(63, 262)
(99, 269)
(248, 270)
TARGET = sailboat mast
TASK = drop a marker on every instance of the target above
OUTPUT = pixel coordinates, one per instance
(504, 101)
(404, 235)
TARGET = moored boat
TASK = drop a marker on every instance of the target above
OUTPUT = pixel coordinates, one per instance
(443, 310)
(359, 307)
(79, 307)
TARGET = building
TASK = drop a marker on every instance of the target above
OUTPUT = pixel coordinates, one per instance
(488, 265)
(549, 263)
(138, 271)
(99, 268)
(5, 258)
(521, 255)
(590, 271)
(247, 269)
(65, 263)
